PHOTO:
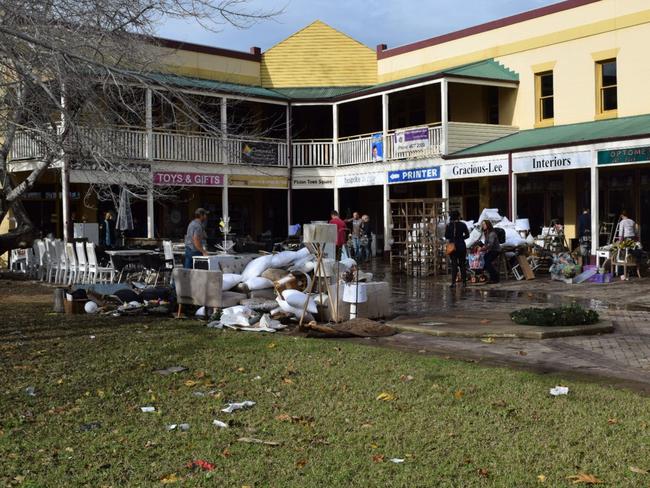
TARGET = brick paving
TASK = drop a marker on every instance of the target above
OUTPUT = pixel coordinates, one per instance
(620, 358)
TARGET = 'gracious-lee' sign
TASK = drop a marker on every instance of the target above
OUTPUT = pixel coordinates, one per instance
(180, 178)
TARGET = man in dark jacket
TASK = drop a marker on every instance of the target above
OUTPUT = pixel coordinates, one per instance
(456, 233)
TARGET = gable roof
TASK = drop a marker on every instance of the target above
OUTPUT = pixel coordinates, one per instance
(564, 135)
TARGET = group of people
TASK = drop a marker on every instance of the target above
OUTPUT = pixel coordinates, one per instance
(456, 233)
(359, 231)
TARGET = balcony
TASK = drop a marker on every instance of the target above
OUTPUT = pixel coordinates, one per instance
(187, 147)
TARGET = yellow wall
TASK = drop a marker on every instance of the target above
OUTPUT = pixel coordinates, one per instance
(210, 66)
(5, 226)
(569, 39)
(319, 55)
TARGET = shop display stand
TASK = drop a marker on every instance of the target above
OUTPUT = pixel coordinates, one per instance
(417, 247)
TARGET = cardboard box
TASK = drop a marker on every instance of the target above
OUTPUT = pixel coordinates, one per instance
(74, 306)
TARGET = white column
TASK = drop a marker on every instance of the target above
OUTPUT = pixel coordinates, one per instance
(388, 234)
(513, 196)
(224, 199)
(224, 130)
(150, 214)
(149, 156)
(445, 189)
(444, 114)
(65, 179)
(595, 205)
(335, 135)
(336, 196)
(385, 124)
(289, 166)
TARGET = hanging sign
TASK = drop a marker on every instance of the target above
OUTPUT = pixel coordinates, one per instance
(627, 155)
(410, 140)
(363, 179)
(476, 168)
(419, 174)
(180, 178)
(312, 182)
(258, 181)
(554, 161)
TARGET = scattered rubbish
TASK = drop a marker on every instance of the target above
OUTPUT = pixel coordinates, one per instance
(359, 327)
(91, 307)
(30, 391)
(251, 440)
(148, 409)
(215, 324)
(92, 336)
(489, 340)
(406, 378)
(90, 426)
(396, 460)
(559, 390)
(386, 397)
(257, 378)
(634, 469)
(200, 312)
(220, 424)
(180, 427)
(587, 479)
(170, 370)
(202, 394)
(201, 465)
(231, 407)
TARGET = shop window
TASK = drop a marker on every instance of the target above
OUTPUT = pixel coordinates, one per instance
(545, 96)
(607, 86)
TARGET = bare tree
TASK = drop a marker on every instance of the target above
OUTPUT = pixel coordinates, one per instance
(70, 70)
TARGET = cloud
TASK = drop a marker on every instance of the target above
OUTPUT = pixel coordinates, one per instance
(371, 22)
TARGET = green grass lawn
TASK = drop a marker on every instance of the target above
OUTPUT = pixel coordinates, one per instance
(454, 423)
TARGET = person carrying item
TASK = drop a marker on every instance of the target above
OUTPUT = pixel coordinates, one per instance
(356, 234)
(195, 238)
(492, 249)
(456, 233)
(340, 233)
(366, 238)
(626, 227)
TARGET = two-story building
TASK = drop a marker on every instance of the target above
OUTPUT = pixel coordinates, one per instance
(539, 114)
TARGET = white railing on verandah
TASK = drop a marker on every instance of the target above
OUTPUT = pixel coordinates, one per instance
(312, 153)
(193, 147)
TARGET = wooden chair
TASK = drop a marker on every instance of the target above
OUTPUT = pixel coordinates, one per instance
(626, 260)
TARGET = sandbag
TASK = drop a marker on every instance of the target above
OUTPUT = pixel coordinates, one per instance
(283, 259)
(297, 312)
(256, 267)
(513, 238)
(297, 299)
(301, 254)
(258, 283)
(231, 280)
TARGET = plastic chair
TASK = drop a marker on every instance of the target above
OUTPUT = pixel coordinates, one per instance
(96, 273)
(62, 268)
(38, 268)
(82, 262)
(73, 268)
(52, 260)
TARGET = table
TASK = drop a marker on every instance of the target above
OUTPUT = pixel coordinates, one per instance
(129, 252)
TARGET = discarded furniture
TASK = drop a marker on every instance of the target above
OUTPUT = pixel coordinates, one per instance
(198, 287)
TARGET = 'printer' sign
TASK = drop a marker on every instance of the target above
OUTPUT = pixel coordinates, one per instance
(408, 175)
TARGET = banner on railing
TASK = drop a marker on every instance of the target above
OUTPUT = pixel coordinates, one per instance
(180, 178)
(260, 152)
(410, 140)
(377, 147)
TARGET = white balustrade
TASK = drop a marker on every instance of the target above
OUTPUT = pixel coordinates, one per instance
(312, 153)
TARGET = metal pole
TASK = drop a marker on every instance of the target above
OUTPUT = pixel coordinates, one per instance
(149, 156)
(595, 205)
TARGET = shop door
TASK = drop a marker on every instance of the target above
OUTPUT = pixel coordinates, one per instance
(644, 218)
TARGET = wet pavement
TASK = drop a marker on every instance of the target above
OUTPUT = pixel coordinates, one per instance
(619, 358)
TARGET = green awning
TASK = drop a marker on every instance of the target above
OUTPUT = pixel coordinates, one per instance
(216, 86)
(563, 135)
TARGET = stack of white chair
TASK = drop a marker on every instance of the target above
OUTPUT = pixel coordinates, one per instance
(97, 273)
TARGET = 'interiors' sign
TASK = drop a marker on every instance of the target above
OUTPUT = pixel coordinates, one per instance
(551, 162)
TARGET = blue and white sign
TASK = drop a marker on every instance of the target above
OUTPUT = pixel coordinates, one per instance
(419, 174)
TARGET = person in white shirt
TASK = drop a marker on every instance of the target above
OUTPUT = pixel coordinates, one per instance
(626, 227)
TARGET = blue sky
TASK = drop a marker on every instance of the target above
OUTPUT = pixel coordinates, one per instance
(392, 22)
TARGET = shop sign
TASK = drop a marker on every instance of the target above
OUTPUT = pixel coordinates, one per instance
(377, 147)
(364, 179)
(551, 162)
(317, 182)
(258, 181)
(410, 140)
(476, 169)
(180, 178)
(419, 174)
(628, 155)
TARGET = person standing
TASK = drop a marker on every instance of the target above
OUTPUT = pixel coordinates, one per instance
(340, 232)
(366, 238)
(356, 234)
(584, 235)
(626, 227)
(195, 237)
(107, 231)
(456, 233)
(492, 249)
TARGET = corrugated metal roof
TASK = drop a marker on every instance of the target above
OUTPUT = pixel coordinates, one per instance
(562, 135)
(299, 93)
(216, 86)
